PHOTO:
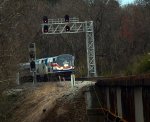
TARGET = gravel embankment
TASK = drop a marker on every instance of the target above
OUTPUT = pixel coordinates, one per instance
(70, 107)
(52, 102)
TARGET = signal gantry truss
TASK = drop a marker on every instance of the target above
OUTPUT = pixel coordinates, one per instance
(58, 26)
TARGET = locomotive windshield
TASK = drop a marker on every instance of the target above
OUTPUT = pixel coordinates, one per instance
(65, 60)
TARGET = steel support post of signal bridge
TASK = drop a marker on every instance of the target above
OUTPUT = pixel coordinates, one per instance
(90, 47)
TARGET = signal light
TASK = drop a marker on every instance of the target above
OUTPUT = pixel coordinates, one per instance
(66, 18)
(32, 54)
(31, 45)
(45, 19)
(67, 28)
(32, 65)
(45, 28)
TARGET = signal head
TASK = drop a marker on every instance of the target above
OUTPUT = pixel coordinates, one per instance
(32, 45)
(32, 54)
(66, 18)
(45, 19)
(45, 29)
(32, 65)
(67, 28)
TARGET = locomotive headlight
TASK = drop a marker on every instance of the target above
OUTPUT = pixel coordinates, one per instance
(66, 65)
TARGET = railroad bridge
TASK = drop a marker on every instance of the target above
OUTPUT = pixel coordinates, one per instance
(124, 97)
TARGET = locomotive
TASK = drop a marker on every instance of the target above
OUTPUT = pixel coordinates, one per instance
(61, 65)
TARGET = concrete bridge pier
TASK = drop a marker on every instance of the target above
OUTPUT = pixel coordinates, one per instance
(107, 97)
(139, 117)
(119, 103)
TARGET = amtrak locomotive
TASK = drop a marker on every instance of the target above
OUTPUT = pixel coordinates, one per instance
(62, 65)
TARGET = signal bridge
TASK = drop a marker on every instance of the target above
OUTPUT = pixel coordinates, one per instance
(62, 20)
(73, 25)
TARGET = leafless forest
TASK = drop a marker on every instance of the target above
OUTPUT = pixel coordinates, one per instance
(122, 33)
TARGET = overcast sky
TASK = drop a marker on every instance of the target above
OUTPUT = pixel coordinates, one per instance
(126, 1)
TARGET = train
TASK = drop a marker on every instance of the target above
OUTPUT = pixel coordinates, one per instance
(61, 65)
